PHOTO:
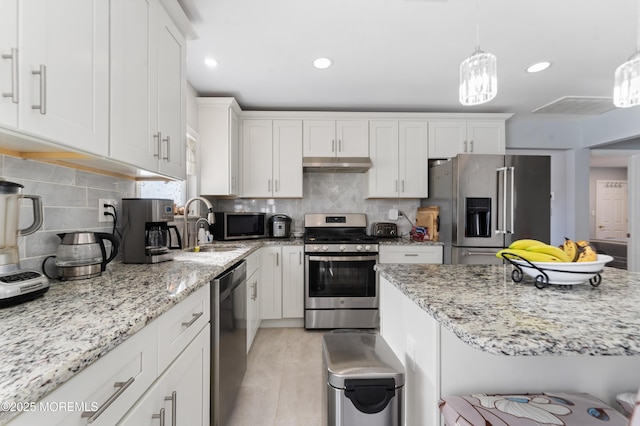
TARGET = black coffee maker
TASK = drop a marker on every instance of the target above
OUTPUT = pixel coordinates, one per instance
(146, 233)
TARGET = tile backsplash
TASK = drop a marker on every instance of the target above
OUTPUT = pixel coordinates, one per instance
(330, 193)
(70, 203)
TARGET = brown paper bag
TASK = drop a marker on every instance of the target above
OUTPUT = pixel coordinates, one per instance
(428, 218)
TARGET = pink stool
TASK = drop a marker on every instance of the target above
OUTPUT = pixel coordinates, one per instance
(547, 408)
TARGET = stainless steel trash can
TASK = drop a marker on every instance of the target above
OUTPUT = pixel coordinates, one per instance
(364, 380)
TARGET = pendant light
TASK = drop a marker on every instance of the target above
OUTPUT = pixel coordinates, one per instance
(478, 74)
(626, 89)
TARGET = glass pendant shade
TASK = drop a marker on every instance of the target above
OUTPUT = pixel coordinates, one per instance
(478, 78)
(626, 89)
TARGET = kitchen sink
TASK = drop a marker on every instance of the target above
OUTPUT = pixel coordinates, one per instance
(215, 248)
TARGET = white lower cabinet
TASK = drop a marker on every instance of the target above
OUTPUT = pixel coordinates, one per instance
(410, 254)
(292, 282)
(282, 282)
(253, 300)
(180, 396)
(127, 379)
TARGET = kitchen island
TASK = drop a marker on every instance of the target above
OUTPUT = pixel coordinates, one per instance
(463, 329)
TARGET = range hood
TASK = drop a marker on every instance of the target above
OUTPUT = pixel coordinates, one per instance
(336, 164)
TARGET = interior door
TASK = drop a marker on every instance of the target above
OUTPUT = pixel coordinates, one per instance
(611, 209)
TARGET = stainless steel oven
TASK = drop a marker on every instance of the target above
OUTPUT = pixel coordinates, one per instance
(341, 286)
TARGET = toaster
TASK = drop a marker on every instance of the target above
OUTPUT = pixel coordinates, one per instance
(384, 230)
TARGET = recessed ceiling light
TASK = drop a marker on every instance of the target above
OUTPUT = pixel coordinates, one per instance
(322, 63)
(540, 66)
(210, 62)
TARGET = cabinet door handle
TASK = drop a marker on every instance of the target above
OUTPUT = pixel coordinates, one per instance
(122, 386)
(465, 146)
(269, 185)
(396, 186)
(158, 137)
(254, 291)
(277, 259)
(42, 72)
(333, 145)
(339, 145)
(14, 75)
(159, 416)
(168, 141)
(174, 406)
(471, 146)
(194, 319)
(277, 185)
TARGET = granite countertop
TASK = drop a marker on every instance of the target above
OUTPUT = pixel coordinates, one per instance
(44, 342)
(483, 307)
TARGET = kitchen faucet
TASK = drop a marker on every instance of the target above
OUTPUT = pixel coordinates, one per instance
(210, 216)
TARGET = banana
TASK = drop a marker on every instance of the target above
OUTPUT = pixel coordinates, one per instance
(587, 253)
(531, 256)
(550, 250)
(524, 244)
(571, 249)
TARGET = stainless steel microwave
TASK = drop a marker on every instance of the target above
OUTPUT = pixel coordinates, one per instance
(240, 226)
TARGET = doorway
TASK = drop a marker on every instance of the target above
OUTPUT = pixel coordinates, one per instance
(611, 209)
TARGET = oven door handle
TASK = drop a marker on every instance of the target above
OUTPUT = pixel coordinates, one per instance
(341, 258)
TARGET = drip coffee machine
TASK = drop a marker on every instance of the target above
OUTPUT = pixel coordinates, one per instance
(17, 285)
(146, 233)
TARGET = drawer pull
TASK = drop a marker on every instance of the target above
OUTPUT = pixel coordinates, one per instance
(194, 319)
(159, 416)
(411, 254)
(122, 386)
(174, 406)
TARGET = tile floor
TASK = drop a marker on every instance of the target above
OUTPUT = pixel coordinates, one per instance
(283, 382)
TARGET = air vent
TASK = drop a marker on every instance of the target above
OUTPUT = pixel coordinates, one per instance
(581, 105)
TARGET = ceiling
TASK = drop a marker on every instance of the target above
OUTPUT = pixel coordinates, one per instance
(404, 55)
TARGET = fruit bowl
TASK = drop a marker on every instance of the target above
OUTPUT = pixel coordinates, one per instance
(560, 273)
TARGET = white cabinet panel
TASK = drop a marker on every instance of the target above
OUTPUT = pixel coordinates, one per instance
(272, 158)
(448, 138)
(399, 155)
(293, 282)
(148, 88)
(335, 138)
(9, 69)
(270, 289)
(219, 146)
(63, 72)
(410, 254)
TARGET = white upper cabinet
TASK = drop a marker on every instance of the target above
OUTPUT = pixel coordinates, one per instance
(148, 88)
(272, 158)
(448, 138)
(9, 63)
(219, 146)
(399, 155)
(336, 138)
(55, 71)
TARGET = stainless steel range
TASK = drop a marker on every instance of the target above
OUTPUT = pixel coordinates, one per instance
(341, 286)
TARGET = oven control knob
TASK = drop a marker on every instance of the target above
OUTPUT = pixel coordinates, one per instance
(325, 248)
(359, 247)
(343, 247)
(367, 248)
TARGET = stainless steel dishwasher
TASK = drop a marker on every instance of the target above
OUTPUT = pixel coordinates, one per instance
(228, 340)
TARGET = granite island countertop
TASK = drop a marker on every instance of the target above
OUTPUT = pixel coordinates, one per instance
(483, 307)
(45, 342)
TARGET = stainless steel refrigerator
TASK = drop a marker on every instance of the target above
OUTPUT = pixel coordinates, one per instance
(488, 201)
